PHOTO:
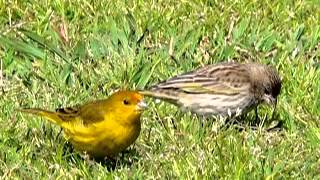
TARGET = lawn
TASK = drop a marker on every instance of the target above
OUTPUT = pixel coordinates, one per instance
(62, 53)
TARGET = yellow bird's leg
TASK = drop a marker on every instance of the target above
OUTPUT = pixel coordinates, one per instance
(109, 162)
(59, 133)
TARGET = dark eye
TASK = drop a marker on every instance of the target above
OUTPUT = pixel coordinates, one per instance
(126, 102)
(266, 91)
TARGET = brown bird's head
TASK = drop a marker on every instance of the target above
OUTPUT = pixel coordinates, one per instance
(266, 83)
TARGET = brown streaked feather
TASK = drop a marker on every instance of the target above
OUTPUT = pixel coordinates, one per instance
(170, 96)
(223, 78)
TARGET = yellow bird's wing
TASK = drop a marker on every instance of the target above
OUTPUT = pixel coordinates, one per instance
(68, 114)
(89, 113)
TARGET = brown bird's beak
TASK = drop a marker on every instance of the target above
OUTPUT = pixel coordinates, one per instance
(274, 108)
(271, 101)
(142, 105)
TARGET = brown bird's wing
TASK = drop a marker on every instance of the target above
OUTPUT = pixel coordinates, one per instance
(224, 78)
(88, 113)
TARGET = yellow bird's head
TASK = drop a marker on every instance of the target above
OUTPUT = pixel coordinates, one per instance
(127, 104)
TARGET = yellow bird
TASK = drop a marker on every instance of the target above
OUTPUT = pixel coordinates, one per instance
(100, 128)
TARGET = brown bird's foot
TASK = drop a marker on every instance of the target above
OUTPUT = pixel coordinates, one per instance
(275, 126)
(235, 122)
(247, 126)
(229, 122)
(241, 123)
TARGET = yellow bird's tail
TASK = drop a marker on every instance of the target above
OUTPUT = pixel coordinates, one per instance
(51, 116)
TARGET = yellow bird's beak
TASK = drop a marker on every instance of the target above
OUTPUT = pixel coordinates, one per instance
(142, 105)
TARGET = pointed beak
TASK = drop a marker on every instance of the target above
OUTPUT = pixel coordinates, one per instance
(274, 108)
(271, 101)
(142, 105)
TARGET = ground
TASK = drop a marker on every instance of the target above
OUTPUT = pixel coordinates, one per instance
(62, 53)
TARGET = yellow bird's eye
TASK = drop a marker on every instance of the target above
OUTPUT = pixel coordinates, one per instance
(125, 102)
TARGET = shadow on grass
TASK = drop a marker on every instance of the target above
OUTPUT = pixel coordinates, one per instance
(246, 121)
(254, 123)
(125, 158)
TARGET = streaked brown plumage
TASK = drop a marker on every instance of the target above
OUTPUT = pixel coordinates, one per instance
(223, 89)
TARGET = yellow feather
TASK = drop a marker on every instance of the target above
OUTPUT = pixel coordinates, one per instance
(100, 128)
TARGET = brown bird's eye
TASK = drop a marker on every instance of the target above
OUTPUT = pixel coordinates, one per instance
(266, 91)
(126, 102)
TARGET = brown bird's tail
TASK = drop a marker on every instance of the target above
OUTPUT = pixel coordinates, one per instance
(170, 96)
(51, 116)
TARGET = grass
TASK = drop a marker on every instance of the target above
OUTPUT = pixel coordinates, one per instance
(134, 44)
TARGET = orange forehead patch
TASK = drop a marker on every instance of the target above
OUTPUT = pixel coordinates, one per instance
(133, 95)
(137, 96)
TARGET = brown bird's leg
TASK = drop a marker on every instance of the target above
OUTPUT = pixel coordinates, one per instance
(173, 122)
(234, 121)
(274, 109)
(276, 124)
(201, 118)
(256, 114)
(208, 121)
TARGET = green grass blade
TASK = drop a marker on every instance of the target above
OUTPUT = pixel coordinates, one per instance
(22, 47)
(42, 42)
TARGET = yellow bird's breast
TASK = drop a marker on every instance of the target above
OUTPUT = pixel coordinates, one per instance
(101, 139)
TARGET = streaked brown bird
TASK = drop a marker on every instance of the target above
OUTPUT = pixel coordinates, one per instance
(223, 89)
